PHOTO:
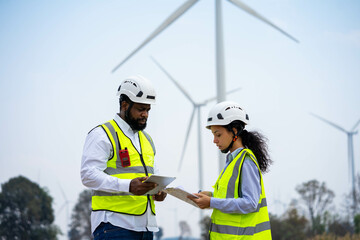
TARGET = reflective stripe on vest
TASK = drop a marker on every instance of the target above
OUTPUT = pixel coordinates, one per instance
(255, 225)
(239, 230)
(141, 165)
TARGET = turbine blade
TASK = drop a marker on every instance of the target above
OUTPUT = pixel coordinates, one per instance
(258, 16)
(214, 98)
(61, 208)
(355, 126)
(175, 15)
(186, 139)
(63, 193)
(174, 81)
(330, 123)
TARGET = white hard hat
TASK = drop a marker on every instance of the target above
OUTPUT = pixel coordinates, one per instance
(226, 112)
(139, 89)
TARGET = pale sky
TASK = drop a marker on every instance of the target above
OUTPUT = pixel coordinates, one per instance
(56, 84)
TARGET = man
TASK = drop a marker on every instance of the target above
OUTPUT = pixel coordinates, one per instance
(117, 158)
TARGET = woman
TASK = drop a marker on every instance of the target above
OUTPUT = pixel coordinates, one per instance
(238, 200)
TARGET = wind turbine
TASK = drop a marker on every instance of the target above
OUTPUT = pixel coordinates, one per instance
(350, 135)
(196, 108)
(220, 70)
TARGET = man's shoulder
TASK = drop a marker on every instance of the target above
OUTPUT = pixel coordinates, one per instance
(99, 128)
(97, 131)
(94, 128)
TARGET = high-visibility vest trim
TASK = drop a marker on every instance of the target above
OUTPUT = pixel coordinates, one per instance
(262, 204)
(101, 193)
(230, 193)
(224, 229)
(113, 171)
(130, 214)
(142, 164)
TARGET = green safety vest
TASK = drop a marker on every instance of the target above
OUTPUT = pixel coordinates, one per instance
(255, 225)
(142, 164)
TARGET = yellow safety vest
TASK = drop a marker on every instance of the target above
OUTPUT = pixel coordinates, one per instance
(141, 165)
(255, 225)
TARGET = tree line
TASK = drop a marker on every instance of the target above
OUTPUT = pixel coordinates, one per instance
(26, 212)
(313, 216)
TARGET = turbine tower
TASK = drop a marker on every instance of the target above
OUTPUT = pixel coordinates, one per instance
(220, 69)
(66, 206)
(351, 163)
(196, 108)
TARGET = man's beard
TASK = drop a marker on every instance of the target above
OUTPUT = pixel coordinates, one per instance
(134, 123)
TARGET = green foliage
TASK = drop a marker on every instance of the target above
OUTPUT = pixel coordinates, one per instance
(80, 227)
(325, 236)
(325, 223)
(351, 201)
(291, 226)
(317, 198)
(205, 227)
(318, 226)
(357, 223)
(339, 227)
(26, 211)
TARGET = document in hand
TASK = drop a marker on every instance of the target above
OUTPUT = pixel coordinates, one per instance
(181, 194)
(161, 182)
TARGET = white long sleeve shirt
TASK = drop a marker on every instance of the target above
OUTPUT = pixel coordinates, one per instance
(96, 153)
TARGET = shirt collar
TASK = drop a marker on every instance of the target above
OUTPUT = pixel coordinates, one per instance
(232, 155)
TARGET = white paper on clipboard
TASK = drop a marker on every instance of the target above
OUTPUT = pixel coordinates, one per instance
(181, 194)
(161, 181)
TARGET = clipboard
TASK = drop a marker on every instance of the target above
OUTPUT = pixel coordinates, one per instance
(181, 194)
(161, 181)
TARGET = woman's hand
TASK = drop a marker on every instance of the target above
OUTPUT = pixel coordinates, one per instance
(208, 193)
(203, 201)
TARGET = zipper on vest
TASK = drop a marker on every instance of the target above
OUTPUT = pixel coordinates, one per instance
(141, 157)
(147, 174)
(143, 163)
(117, 136)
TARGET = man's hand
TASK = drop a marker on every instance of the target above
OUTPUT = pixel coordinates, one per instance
(160, 196)
(138, 187)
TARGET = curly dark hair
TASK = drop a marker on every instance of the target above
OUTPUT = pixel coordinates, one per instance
(254, 141)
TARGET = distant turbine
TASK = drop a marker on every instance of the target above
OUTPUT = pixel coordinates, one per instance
(196, 107)
(220, 70)
(351, 163)
(66, 206)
